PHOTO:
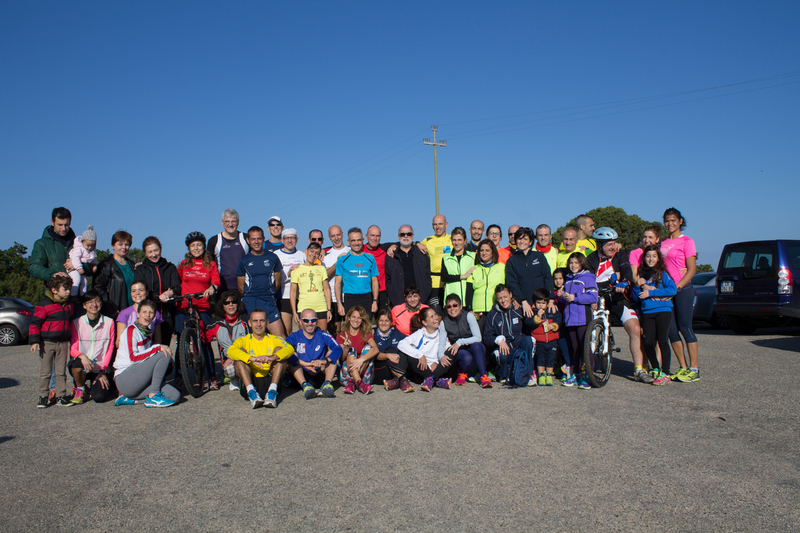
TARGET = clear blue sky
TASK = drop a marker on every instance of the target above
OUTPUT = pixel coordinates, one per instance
(155, 116)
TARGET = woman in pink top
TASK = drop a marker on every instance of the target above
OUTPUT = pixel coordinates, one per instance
(680, 260)
(650, 235)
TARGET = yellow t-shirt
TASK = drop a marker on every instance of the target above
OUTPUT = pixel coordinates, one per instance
(584, 246)
(310, 287)
(438, 247)
(248, 346)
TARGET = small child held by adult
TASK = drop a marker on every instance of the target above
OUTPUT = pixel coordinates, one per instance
(84, 260)
(49, 335)
(546, 336)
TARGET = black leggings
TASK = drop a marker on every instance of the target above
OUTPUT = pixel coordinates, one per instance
(575, 336)
(441, 370)
(655, 328)
(385, 369)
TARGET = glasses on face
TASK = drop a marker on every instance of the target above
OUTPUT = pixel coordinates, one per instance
(317, 239)
(494, 233)
(453, 306)
(273, 224)
(309, 320)
(405, 234)
(231, 302)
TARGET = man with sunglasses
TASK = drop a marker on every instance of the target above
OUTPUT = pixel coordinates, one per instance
(315, 235)
(406, 266)
(315, 355)
(356, 280)
(512, 241)
(275, 241)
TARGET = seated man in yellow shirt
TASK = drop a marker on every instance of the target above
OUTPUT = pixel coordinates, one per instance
(260, 360)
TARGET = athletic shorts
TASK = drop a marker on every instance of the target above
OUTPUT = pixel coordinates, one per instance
(252, 303)
(623, 310)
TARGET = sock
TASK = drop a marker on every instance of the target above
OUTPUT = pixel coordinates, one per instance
(273, 386)
(693, 368)
(250, 387)
(638, 367)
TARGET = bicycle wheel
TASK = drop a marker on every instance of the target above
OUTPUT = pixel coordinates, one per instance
(192, 365)
(596, 361)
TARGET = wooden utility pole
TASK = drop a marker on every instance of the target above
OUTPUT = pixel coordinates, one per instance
(443, 144)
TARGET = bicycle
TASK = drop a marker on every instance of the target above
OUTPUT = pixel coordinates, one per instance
(599, 343)
(190, 351)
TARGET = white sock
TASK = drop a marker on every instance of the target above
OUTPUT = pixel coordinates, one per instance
(250, 387)
(273, 386)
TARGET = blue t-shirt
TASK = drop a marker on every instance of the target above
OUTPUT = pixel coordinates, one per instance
(258, 272)
(272, 246)
(321, 346)
(389, 341)
(357, 272)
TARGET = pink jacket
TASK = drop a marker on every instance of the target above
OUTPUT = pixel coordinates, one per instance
(95, 343)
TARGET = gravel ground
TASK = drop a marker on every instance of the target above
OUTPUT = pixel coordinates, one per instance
(720, 454)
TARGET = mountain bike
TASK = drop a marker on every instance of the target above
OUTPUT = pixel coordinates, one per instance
(190, 350)
(599, 340)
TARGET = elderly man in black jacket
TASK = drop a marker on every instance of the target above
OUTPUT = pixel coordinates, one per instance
(407, 265)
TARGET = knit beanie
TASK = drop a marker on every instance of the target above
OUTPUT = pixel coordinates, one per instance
(89, 235)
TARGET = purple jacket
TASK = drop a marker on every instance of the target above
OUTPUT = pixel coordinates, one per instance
(584, 287)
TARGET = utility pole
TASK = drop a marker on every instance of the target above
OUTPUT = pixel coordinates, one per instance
(443, 144)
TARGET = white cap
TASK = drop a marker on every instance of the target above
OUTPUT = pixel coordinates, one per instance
(288, 231)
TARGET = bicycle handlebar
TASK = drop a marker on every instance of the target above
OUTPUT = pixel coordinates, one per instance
(193, 296)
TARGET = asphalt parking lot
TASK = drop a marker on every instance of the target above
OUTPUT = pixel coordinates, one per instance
(721, 454)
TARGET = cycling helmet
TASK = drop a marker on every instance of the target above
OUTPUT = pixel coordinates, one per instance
(605, 234)
(195, 236)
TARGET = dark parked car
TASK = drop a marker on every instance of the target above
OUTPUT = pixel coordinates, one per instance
(705, 295)
(756, 284)
(15, 318)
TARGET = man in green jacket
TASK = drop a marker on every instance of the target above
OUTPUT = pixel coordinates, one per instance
(50, 254)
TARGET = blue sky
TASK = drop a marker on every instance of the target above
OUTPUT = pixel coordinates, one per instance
(155, 116)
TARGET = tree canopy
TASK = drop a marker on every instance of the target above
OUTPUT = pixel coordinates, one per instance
(629, 227)
(15, 281)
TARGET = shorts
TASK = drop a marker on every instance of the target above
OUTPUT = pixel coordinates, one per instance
(285, 306)
(623, 310)
(267, 304)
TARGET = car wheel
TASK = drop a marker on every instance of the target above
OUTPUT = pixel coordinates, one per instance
(719, 321)
(741, 326)
(9, 335)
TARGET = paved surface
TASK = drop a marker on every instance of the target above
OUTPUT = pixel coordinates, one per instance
(720, 454)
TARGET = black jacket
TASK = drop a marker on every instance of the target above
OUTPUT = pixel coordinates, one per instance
(110, 283)
(526, 273)
(160, 277)
(395, 279)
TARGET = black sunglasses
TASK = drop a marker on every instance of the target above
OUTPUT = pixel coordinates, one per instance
(229, 302)
(309, 320)
(320, 239)
(405, 234)
(275, 224)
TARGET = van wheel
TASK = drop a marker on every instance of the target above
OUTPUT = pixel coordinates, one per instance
(741, 326)
(720, 321)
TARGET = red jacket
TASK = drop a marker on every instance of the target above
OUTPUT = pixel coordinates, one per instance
(197, 278)
(554, 319)
(51, 321)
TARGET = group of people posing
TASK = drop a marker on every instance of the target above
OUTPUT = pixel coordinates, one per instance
(447, 309)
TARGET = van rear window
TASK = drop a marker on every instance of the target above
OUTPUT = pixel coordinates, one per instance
(793, 249)
(753, 261)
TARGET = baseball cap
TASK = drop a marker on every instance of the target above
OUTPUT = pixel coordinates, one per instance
(288, 231)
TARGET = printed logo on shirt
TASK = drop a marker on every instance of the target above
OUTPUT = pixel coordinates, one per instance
(301, 347)
(515, 320)
(266, 262)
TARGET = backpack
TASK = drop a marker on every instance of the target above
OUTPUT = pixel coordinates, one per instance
(521, 368)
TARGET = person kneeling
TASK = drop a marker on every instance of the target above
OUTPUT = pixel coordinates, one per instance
(260, 360)
(315, 356)
(141, 367)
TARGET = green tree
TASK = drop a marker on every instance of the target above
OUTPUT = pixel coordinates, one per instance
(15, 281)
(702, 267)
(628, 227)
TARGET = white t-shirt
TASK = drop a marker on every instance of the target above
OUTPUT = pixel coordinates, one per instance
(330, 260)
(287, 262)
